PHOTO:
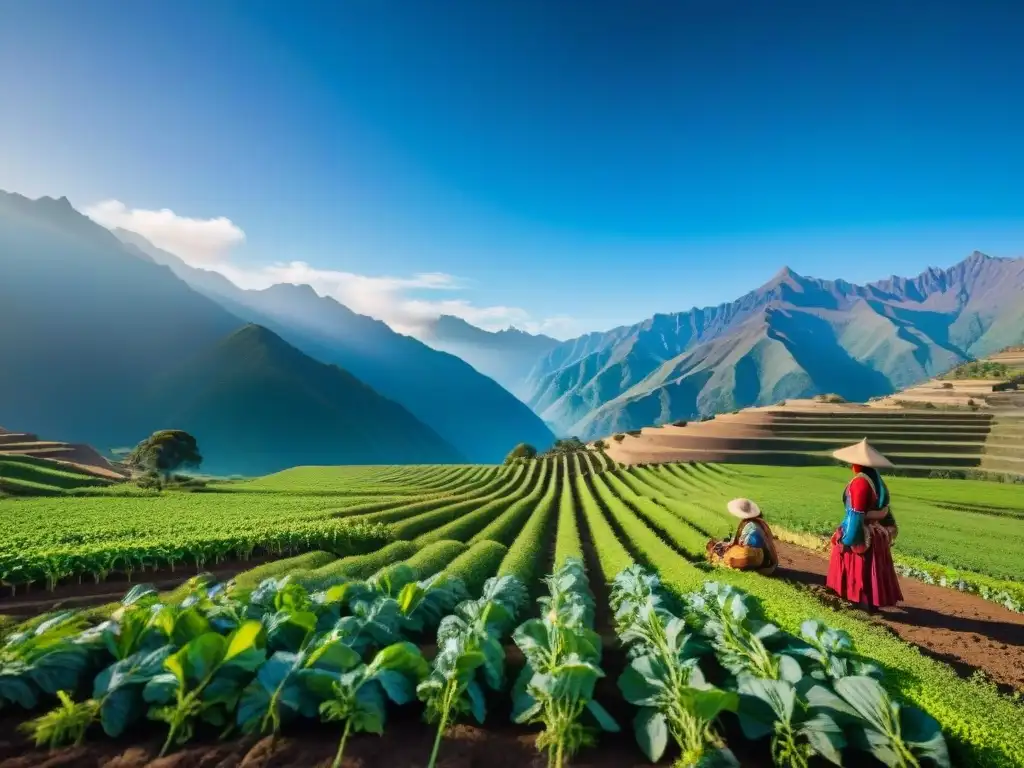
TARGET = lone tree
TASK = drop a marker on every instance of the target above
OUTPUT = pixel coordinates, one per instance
(164, 452)
(521, 451)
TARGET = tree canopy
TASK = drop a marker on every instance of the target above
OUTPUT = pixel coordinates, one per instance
(521, 451)
(165, 451)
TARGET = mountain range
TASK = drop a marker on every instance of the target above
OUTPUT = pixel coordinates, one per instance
(105, 337)
(100, 338)
(793, 337)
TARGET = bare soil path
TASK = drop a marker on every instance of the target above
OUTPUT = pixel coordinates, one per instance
(963, 630)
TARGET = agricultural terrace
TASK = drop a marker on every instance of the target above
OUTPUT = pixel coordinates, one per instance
(481, 541)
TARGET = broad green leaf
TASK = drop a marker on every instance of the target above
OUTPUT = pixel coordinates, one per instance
(870, 700)
(161, 688)
(922, 732)
(203, 655)
(120, 709)
(477, 703)
(404, 658)
(333, 655)
(17, 690)
(709, 703)
(789, 669)
(604, 720)
(651, 731)
(825, 737)
(243, 639)
(399, 687)
(637, 688)
(187, 626)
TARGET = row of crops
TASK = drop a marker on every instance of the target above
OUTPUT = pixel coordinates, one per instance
(219, 660)
(645, 525)
(46, 541)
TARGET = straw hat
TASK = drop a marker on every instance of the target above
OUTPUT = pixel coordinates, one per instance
(744, 509)
(862, 453)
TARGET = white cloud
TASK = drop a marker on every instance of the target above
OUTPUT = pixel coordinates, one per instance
(199, 242)
(401, 302)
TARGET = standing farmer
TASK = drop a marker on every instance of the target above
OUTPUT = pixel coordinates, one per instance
(861, 569)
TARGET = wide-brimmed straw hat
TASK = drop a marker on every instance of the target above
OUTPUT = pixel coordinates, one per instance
(862, 453)
(744, 509)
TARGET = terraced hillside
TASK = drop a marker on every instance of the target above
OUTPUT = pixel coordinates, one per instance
(999, 389)
(806, 433)
(353, 540)
(31, 466)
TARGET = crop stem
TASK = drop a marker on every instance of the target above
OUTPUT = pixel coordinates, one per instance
(341, 746)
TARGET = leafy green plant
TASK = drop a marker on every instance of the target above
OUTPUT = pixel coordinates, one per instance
(356, 693)
(563, 653)
(451, 689)
(832, 652)
(895, 734)
(663, 677)
(65, 724)
(738, 640)
(470, 640)
(42, 660)
(203, 679)
(800, 726)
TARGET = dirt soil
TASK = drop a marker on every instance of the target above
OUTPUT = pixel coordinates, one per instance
(963, 630)
(71, 594)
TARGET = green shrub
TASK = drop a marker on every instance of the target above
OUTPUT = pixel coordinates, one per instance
(618, 437)
(830, 397)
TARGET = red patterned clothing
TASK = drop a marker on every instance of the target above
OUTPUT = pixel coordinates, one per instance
(864, 572)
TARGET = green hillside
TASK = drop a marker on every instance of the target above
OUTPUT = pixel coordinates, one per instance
(256, 405)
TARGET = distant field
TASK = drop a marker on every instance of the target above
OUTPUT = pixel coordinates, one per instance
(122, 529)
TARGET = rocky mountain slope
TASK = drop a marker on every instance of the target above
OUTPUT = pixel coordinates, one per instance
(793, 337)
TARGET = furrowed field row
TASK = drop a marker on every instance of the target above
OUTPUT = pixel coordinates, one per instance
(612, 555)
(504, 528)
(471, 523)
(567, 541)
(412, 527)
(982, 723)
(526, 554)
(479, 491)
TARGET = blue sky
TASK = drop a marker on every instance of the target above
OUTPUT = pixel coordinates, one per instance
(566, 166)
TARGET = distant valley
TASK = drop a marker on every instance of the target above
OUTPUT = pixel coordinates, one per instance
(103, 343)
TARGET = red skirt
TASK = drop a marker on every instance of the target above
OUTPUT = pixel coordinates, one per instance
(867, 577)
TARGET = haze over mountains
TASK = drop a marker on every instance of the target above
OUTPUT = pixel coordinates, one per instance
(506, 356)
(101, 343)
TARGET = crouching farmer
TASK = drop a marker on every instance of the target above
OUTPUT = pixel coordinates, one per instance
(753, 546)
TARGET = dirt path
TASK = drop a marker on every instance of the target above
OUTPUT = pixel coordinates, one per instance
(963, 630)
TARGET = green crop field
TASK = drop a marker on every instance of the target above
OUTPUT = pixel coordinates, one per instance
(380, 561)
